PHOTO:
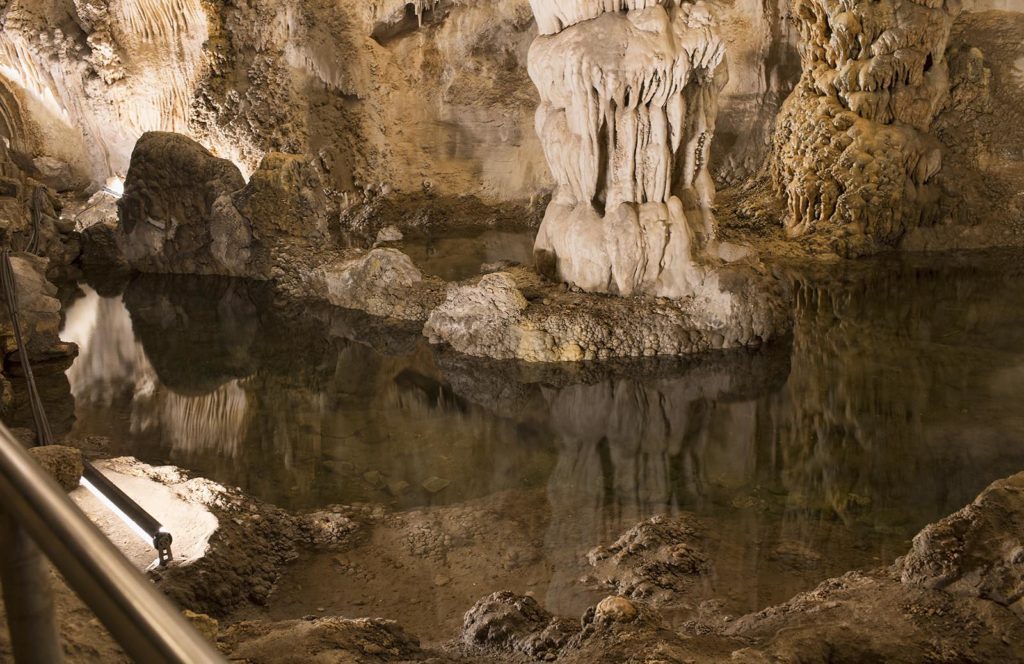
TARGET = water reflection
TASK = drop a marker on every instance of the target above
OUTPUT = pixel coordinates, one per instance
(113, 374)
(457, 257)
(893, 405)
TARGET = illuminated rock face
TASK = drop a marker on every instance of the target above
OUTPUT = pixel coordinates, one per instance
(96, 75)
(627, 116)
(852, 152)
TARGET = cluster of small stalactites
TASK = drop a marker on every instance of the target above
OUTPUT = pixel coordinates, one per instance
(553, 16)
(618, 101)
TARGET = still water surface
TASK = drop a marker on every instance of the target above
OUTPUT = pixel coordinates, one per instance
(897, 399)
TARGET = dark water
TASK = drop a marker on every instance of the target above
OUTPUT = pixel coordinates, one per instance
(454, 257)
(895, 402)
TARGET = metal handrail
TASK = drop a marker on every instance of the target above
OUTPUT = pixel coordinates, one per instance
(140, 619)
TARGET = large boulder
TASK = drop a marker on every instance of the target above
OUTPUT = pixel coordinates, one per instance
(177, 213)
(978, 551)
(288, 210)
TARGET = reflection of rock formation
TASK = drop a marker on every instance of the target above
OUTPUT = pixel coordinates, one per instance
(852, 150)
(627, 115)
(799, 463)
(630, 449)
(199, 333)
(113, 373)
(898, 372)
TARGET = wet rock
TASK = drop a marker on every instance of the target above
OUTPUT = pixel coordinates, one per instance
(176, 213)
(323, 641)
(862, 617)
(795, 555)
(480, 319)
(976, 552)
(330, 528)
(508, 622)
(516, 315)
(64, 464)
(203, 624)
(397, 487)
(383, 282)
(655, 560)
(615, 609)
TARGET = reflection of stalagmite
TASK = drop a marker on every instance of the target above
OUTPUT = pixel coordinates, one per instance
(633, 449)
(627, 114)
(110, 361)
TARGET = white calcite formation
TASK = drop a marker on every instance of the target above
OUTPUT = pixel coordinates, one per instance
(93, 76)
(628, 103)
(852, 151)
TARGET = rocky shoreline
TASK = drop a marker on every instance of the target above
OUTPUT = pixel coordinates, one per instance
(957, 594)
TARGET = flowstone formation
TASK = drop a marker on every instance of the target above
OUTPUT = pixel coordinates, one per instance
(629, 96)
(852, 151)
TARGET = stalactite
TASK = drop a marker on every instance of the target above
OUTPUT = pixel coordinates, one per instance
(137, 71)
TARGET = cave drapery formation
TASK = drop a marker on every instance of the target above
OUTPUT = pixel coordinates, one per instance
(852, 151)
(629, 94)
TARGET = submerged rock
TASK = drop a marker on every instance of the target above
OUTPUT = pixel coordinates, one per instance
(323, 641)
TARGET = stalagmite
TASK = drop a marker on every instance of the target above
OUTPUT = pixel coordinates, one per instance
(629, 95)
(852, 152)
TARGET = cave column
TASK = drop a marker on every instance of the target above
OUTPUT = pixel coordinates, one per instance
(629, 93)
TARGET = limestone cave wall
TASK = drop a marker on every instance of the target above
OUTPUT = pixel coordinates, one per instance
(431, 96)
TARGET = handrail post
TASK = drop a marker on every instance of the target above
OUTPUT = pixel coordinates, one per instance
(28, 597)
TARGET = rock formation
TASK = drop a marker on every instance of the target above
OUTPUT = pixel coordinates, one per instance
(176, 213)
(627, 116)
(853, 153)
(186, 211)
